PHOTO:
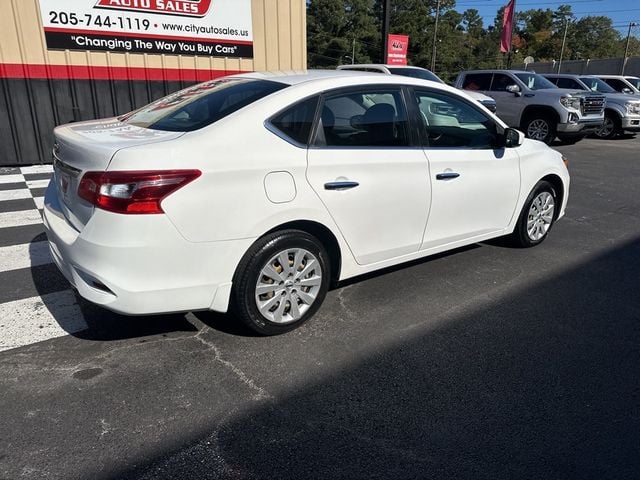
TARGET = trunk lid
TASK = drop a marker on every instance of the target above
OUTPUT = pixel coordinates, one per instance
(90, 146)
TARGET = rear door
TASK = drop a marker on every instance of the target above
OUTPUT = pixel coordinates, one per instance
(475, 187)
(370, 173)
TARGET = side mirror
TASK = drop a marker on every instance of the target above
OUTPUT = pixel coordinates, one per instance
(513, 138)
(515, 89)
(627, 90)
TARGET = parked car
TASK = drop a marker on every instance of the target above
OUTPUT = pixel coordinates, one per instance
(530, 102)
(258, 191)
(621, 113)
(622, 83)
(416, 72)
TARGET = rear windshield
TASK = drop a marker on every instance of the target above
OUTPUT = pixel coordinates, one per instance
(201, 105)
(415, 73)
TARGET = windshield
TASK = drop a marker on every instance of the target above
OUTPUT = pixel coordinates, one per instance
(415, 73)
(534, 81)
(200, 105)
(597, 85)
(635, 81)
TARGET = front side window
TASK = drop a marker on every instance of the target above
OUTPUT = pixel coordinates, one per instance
(201, 105)
(635, 81)
(477, 81)
(501, 82)
(450, 122)
(371, 118)
(616, 84)
(596, 85)
(568, 83)
(533, 81)
(296, 121)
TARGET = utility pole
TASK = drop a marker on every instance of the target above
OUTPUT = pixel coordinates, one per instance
(435, 38)
(386, 13)
(564, 39)
(353, 51)
(626, 49)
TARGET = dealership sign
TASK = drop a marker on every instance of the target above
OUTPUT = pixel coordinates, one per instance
(173, 27)
(397, 49)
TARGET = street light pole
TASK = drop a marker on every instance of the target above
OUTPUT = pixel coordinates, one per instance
(564, 39)
(435, 38)
(386, 13)
(353, 52)
(626, 49)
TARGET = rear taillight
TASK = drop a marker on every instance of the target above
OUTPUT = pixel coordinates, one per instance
(135, 192)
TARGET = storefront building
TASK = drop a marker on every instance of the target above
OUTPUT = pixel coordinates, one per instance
(69, 60)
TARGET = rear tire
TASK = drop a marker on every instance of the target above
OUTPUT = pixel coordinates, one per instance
(537, 216)
(540, 127)
(281, 282)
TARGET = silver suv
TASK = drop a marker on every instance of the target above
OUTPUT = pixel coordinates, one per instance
(416, 72)
(532, 103)
(621, 112)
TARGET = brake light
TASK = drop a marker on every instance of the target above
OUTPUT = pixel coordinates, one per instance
(134, 192)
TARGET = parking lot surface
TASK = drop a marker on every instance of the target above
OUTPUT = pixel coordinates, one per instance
(488, 362)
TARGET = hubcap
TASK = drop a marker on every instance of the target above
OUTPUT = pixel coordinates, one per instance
(606, 129)
(540, 216)
(538, 129)
(288, 285)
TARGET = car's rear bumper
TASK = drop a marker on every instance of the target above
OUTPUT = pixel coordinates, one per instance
(140, 264)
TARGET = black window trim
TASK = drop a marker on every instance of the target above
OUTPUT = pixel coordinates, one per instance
(421, 127)
(279, 133)
(414, 142)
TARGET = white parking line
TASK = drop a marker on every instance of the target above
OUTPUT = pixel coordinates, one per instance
(38, 183)
(36, 319)
(16, 219)
(39, 202)
(14, 194)
(24, 256)
(37, 169)
(11, 178)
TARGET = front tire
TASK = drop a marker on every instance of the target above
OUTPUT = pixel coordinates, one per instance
(610, 128)
(281, 282)
(540, 127)
(537, 216)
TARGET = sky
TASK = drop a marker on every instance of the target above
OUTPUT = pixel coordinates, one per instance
(621, 11)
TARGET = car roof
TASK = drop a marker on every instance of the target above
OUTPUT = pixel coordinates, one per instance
(567, 75)
(496, 71)
(294, 77)
(377, 65)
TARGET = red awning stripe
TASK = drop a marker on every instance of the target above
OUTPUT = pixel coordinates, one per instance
(85, 72)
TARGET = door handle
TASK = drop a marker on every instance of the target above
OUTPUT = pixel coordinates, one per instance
(340, 185)
(447, 176)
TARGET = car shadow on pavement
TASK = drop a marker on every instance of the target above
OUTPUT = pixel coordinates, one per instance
(538, 383)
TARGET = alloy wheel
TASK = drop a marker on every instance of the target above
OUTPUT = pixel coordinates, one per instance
(538, 129)
(606, 130)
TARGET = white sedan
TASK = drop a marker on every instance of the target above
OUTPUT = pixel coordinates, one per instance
(257, 192)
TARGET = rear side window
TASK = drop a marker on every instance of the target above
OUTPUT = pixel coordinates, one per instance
(296, 121)
(477, 81)
(196, 107)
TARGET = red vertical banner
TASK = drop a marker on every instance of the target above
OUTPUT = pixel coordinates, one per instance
(507, 26)
(397, 49)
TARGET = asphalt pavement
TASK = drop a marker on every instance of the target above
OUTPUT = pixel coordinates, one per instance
(485, 363)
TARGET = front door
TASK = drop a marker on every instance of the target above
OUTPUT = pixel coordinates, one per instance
(475, 187)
